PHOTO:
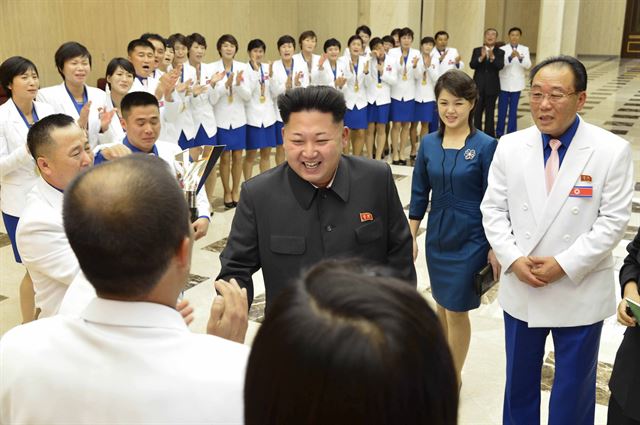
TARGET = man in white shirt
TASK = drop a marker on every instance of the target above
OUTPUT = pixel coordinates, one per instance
(444, 57)
(129, 357)
(512, 76)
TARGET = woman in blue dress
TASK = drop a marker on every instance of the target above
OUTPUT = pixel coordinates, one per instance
(452, 165)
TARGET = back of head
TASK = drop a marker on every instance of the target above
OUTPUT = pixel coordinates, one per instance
(347, 346)
(137, 98)
(312, 98)
(125, 220)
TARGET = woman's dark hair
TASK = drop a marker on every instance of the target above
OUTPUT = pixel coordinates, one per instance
(377, 40)
(427, 40)
(460, 85)
(346, 347)
(116, 63)
(306, 34)
(577, 69)
(406, 31)
(226, 38)
(354, 38)
(387, 39)
(395, 31)
(178, 38)
(312, 98)
(68, 51)
(363, 28)
(256, 43)
(11, 68)
(331, 42)
(286, 39)
(196, 38)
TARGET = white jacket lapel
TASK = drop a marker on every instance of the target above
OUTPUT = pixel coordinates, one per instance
(535, 183)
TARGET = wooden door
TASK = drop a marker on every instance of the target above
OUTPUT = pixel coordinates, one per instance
(631, 35)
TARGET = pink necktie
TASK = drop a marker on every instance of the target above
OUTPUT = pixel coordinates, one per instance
(553, 164)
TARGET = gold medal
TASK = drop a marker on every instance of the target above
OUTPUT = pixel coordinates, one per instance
(230, 98)
(356, 88)
(424, 82)
(262, 99)
(379, 85)
(404, 77)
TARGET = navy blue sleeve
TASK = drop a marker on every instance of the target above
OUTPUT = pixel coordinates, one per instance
(420, 185)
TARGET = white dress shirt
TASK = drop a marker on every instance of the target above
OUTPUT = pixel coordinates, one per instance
(512, 75)
(119, 362)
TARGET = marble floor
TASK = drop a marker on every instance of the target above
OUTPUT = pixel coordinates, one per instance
(613, 102)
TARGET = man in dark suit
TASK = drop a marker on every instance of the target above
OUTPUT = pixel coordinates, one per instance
(318, 204)
(487, 60)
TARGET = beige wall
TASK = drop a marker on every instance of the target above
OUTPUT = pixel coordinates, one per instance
(523, 14)
(600, 27)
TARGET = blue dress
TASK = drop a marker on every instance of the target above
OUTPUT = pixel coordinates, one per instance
(456, 247)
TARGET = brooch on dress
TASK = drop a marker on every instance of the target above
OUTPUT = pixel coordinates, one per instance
(469, 154)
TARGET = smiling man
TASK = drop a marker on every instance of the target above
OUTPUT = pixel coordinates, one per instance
(557, 203)
(318, 204)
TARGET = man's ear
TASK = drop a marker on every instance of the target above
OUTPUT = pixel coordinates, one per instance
(183, 253)
(123, 123)
(44, 166)
(345, 137)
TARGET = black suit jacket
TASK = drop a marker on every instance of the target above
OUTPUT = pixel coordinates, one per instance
(486, 72)
(284, 225)
(625, 378)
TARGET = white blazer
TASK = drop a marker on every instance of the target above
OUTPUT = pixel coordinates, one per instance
(115, 133)
(405, 87)
(202, 105)
(425, 81)
(44, 248)
(279, 79)
(379, 86)
(519, 219)
(308, 76)
(512, 76)
(230, 114)
(259, 114)
(17, 167)
(449, 61)
(59, 99)
(352, 97)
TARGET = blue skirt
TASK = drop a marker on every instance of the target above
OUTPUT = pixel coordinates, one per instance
(203, 139)
(11, 223)
(279, 125)
(356, 119)
(378, 113)
(183, 142)
(425, 112)
(402, 111)
(234, 139)
(261, 137)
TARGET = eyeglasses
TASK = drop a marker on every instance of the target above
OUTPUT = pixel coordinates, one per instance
(555, 97)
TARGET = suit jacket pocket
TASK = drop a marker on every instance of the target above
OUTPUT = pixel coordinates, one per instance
(288, 245)
(369, 232)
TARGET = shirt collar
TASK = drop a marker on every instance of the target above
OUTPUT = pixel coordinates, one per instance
(132, 314)
(305, 192)
(127, 143)
(566, 137)
(53, 195)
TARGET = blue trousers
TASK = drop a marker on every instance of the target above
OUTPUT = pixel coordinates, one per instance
(507, 99)
(573, 395)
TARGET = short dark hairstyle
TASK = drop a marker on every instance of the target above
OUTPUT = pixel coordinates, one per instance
(490, 29)
(439, 33)
(363, 28)
(116, 63)
(377, 40)
(125, 238)
(139, 43)
(386, 39)
(196, 38)
(353, 38)
(368, 346)
(514, 29)
(179, 38)
(577, 68)
(256, 43)
(395, 31)
(427, 40)
(286, 39)
(459, 84)
(406, 31)
(137, 98)
(68, 51)
(306, 34)
(39, 138)
(11, 68)
(153, 36)
(226, 38)
(312, 98)
(331, 42)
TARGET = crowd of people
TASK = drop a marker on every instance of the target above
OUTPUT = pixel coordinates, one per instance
(106, 235)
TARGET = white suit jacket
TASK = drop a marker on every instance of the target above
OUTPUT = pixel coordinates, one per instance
(202, 105)
(279, 79)
(308, 78)
(259, 114)
(44, 247)
(230, 115)
(17, 167)
(115, 133)
(59, 99)
(428, 74)
(580, 232)
(379, 89)
(404, 89)
(119, 363)
(512, 76)
(449, 61)
(352, 97)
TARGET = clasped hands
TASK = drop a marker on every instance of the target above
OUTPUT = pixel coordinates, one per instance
(537, 271)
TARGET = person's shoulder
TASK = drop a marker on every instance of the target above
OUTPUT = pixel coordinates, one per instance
(96, 92)
(36, 206)
(167, 147)
(366, 165)
(266, 180)
(224, 348)
(31, 337)
(601, 137)
(483, 138)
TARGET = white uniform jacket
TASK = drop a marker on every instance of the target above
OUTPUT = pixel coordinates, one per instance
(17, 167)
(279, 79)
(449, 61)
(259, 113)
(115, 133)
(352, 97)
(202, 106)
(119, 363)
(519, 219)
(60, 100)
(425, 80)
(44, 247)
(512, 76)
(229, 105)
(405, 87)
(379, 87)
(309, 75)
